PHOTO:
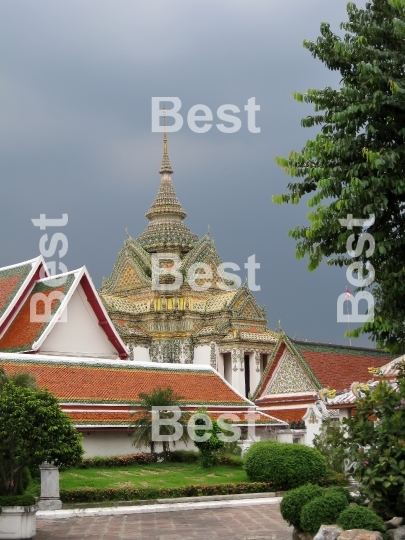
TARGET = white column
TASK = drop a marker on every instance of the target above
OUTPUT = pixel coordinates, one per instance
(238, 371)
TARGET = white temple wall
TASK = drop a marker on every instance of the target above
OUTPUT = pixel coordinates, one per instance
(140, 354)
(117, 443)
(221, 367)
(80, 333)
(202, 355)
(255, 373)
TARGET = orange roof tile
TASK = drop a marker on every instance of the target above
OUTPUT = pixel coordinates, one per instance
(338, 367)
(122, 382)
(23, 332)
(11, 279)
(287, 415)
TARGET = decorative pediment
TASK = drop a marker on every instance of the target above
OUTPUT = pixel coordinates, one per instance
(130, 270)
(244, 305)
(289, 376)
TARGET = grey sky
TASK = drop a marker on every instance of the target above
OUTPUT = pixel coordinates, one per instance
(77, 81)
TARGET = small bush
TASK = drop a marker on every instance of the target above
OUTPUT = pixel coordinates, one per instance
(182, 456)
(358, 517)
(333, 478)
(118, 461)
(285, 465)
(339, 489)
(323, 510)
(295, 500)
(17, 500)
(232, 460)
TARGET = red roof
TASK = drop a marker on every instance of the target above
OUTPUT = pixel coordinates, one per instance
(338, 367)
(333, 366)
(121, 382)
(23, 331)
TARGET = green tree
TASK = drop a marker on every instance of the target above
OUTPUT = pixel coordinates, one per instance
(33, 429)
(356, 164)
(143, 420)
(20, 378)
(331, 443)
(376, 441)
(211, 448)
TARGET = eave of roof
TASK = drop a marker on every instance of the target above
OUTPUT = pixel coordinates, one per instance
(98, 381)
(14, 297)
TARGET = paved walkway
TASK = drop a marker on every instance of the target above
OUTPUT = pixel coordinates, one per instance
(262, 522)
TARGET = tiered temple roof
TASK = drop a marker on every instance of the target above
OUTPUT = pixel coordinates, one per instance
(85, 387)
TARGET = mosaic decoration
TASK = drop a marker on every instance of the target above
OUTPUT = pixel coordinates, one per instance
(173, 351)
(213, 355)
(289, 377)
(237, 358)
(257, 360)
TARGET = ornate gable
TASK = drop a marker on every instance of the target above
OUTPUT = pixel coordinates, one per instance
(245, 306)
(130, 270)
(289, 376)
(204, 252)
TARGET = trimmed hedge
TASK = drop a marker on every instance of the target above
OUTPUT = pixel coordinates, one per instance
(285, 465)
(118, 461)
(17, 500)
(177, 456)
(295, 500)
(359, 517)
(128, 494)
(323, 510)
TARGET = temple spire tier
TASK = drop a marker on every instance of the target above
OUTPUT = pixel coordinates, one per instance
(166, 231)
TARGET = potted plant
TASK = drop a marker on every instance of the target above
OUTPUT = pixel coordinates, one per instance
(33, 429)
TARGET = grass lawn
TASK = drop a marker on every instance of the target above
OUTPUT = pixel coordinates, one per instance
(169, 475)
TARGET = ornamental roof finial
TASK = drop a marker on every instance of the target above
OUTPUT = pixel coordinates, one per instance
(166, 167)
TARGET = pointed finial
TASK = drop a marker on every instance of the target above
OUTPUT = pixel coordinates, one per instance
(126, 232)
(166, 167)
(279, 325)
(208, 230)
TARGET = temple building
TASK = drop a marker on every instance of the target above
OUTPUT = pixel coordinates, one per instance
(219, 324)
(57, 329)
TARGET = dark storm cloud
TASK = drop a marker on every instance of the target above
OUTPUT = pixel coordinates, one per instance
(77, 82)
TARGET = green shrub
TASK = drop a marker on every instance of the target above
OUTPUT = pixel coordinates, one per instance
(295, 500)
(182, 456)
(17, 500)
(339, 489)
(323, 510)
(117, 461)
(233, 460)
(134, 494)
(285, 465)
(359, 517)
(333, 478)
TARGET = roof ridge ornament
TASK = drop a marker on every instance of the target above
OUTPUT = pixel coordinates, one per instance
(165, 168)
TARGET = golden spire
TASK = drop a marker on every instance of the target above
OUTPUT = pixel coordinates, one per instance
(166, 167)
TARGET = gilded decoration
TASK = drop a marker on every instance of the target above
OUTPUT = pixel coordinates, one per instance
(289, 377)
(172, 323)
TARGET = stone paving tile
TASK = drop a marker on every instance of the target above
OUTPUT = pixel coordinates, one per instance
(262, 522)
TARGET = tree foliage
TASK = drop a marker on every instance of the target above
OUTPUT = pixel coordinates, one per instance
(143, 420)
(209, 449)
(377, 443)
(33, 429)
(330, 442)
(356, 164)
